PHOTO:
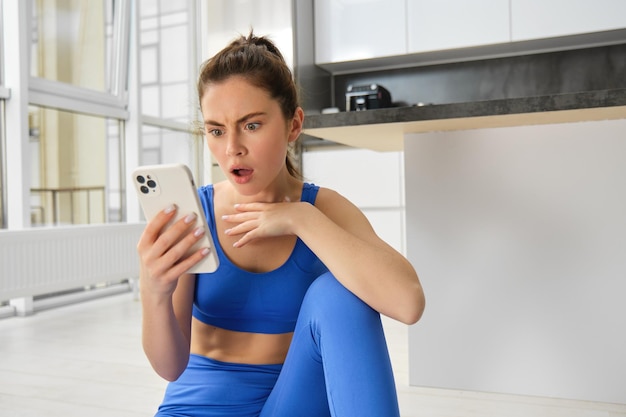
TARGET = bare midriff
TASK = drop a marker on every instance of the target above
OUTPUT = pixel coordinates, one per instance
(238, 347)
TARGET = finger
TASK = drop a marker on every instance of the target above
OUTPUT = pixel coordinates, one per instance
(176, 261)
(192, 259)
(245, 207)
(240, 217)
(153, 228)
(174, 236)
(243, 224)
(241, 242)
(248, 237)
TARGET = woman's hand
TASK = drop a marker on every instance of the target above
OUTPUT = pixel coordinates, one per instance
(166, 302)
(162, 251)
(261, 220)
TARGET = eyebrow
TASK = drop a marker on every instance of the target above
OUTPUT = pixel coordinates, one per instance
(240, 120)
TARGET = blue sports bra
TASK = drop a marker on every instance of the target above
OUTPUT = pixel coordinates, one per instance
(235, 299)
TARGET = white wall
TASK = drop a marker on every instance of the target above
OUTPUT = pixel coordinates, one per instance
(519, 238)
(371, 180)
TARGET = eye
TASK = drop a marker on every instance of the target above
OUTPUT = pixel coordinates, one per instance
(252, 126)
(215, 132)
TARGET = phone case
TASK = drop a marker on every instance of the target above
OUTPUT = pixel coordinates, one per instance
(159, 186)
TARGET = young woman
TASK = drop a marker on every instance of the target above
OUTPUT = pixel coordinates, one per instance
(289, 324)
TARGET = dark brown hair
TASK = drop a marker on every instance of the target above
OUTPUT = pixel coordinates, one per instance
(259, 61)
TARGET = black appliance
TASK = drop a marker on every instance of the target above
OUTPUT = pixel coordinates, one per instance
(364, 97)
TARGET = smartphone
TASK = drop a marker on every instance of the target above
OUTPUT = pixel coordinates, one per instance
(159, 186)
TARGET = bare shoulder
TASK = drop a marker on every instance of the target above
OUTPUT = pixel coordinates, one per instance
(329, 200)
(341, 210)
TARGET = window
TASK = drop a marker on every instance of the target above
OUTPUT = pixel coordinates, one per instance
(72, 42)
(164, 146)
(77, 110)
(167, 83)
(2, 162)
(78, 103)
(71, 155)
(4, 94)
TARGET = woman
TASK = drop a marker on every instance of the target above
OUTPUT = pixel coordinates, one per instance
(289, 324)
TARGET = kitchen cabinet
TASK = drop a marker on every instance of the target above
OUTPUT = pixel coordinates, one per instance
(536, 19)
(352, 30)
(350, 173)
(378, 192)
(439, 25)
(518, 236)
(361, 35)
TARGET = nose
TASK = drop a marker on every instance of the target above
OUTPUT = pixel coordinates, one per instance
(234, 146)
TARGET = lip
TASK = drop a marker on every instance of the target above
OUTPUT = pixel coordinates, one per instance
(241, 174)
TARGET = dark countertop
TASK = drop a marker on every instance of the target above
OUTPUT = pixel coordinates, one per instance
(384, 129)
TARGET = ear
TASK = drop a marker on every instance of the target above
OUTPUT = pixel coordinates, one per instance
(295, 125)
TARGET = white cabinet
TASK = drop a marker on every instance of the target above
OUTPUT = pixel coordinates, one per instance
(351, 34)
(438, 25)
(373, 181)
(535, 19)
(350, 30)
(365, 177)
(518, 236)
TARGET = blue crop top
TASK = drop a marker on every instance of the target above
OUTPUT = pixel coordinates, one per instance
(235, 299)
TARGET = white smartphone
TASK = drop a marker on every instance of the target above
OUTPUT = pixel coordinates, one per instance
(159, 186)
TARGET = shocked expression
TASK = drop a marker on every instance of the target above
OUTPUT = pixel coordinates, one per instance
(247, 132)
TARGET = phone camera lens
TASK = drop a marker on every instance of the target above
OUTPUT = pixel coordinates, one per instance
(151, 183)
(140, 179)
(144, 189)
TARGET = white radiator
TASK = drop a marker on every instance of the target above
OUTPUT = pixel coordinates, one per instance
(48, 260)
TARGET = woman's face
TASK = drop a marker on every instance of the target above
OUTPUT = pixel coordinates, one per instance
(247, 133)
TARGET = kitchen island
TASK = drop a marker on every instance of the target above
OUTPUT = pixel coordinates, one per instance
(385, 129)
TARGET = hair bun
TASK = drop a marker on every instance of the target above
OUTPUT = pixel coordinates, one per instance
(265, 42)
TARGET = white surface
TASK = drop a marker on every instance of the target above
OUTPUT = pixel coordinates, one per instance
(367, 178)
(93, 365)
(359, 29)
(229, 19)
(370, 180)
(39, 261)
(519, 237)
(438, 25)
(533, 19)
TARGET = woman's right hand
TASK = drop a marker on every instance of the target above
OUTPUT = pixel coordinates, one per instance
(162, 251)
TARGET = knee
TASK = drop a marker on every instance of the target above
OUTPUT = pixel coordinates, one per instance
(328, 297)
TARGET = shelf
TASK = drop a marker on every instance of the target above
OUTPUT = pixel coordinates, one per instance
(384, 129)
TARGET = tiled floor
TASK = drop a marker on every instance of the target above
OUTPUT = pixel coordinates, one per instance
(86, 360)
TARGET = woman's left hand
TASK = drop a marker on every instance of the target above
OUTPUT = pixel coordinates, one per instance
(261, 220)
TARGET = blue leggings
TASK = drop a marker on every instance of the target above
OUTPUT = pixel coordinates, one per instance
(338, 365)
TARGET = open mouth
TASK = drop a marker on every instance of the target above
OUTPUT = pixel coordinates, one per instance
(241, 172)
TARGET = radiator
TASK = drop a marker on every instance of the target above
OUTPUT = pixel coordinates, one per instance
(48, 260)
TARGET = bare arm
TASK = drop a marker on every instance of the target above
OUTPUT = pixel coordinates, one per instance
(341, 236)
(167, 293)
(166, 329)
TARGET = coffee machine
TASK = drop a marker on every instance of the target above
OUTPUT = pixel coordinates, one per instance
(365, 97)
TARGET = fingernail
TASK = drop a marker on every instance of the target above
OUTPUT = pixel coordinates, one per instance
(198, 232)
(190, 217)
(205, 251)
(169, 209)
(225, 216)
(227, 231)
